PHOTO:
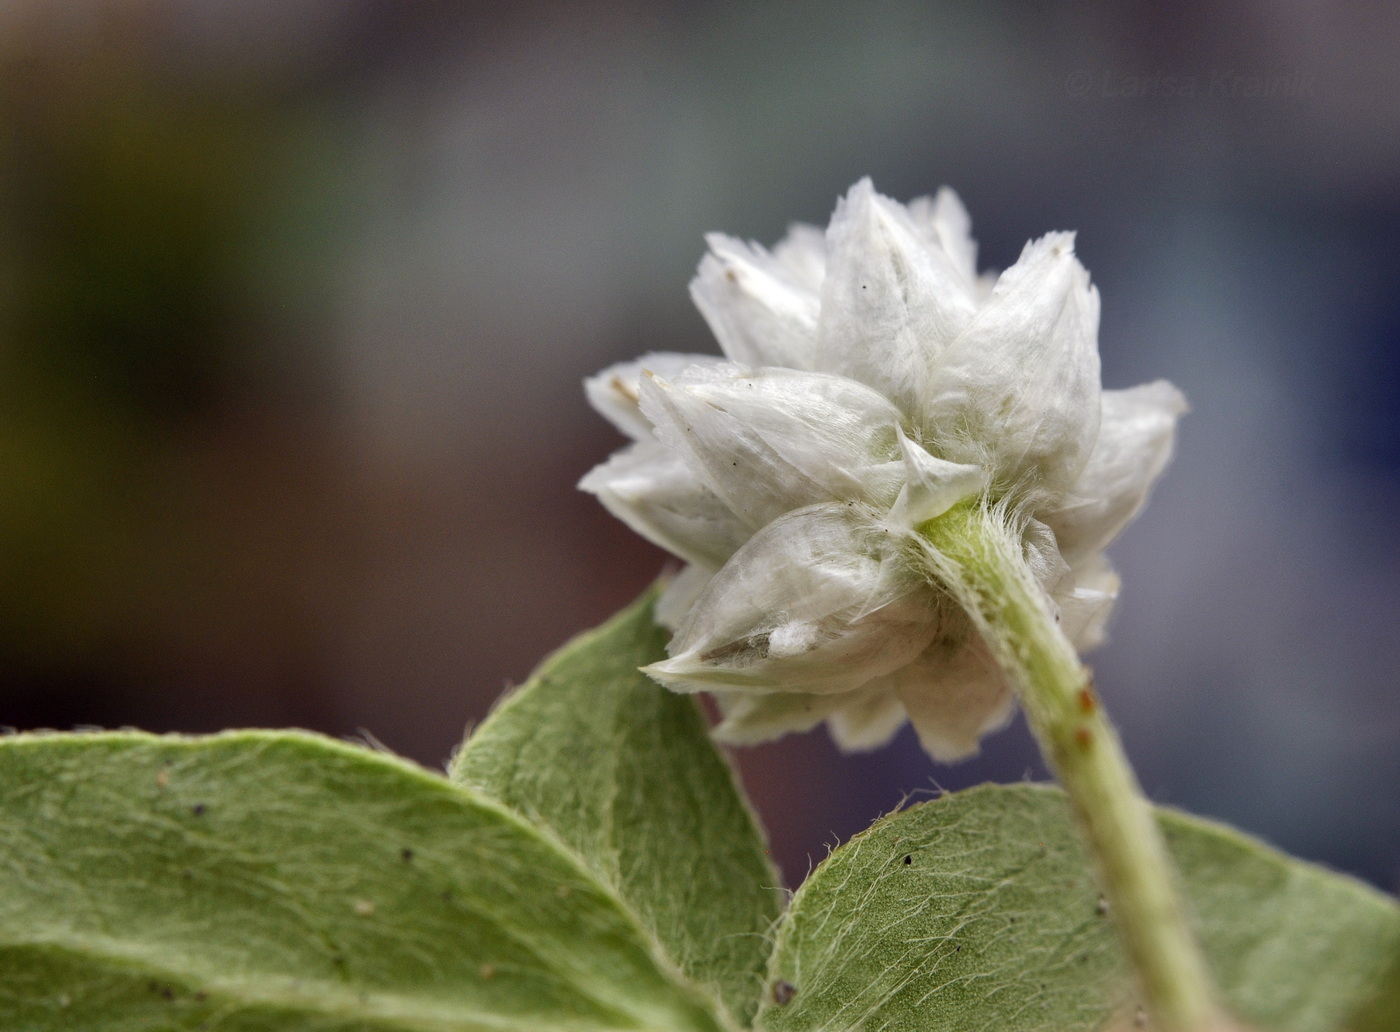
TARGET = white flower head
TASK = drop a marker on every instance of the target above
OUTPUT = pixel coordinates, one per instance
(871, 381)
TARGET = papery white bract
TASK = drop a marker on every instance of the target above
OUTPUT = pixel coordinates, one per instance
(873, 380)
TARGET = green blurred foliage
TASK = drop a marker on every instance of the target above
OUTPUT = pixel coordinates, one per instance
(140, 352)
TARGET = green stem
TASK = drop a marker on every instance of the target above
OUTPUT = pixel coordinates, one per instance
(979, 558)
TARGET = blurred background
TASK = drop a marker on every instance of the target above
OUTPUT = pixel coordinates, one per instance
(295, 300)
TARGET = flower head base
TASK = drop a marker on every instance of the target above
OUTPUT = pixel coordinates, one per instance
(872, 381)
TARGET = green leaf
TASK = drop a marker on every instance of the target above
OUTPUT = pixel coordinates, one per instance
(624, 772)
(274, 881)
(977, 911)
(1381, 1013)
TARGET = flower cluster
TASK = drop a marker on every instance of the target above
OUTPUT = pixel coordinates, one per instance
(872, 380)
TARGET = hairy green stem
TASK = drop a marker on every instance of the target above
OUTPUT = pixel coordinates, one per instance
(979, 559)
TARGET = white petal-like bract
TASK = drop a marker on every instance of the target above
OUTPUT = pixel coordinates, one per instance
(774, 440)
(615, 391)
(649, 488)
(758, 305)
(1136, 434)
(890, 303)
(1018, 389)
(954, 694)
(944, 223)
(816, 601)
(680, 594)
(932, 485)
(873, 380)
(803, 252)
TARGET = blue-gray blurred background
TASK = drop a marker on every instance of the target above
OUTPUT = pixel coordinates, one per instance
(295, 300)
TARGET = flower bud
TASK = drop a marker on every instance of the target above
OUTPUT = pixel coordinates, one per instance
(873, 381)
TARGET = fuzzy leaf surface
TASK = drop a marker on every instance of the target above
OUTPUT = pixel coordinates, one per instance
(624, 772)
(1381, 1013)
(978, 912)
(257, 881)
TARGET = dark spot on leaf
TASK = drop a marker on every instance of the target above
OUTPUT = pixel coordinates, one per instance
(447, 896)
(197, 809)
(407, 854)
(957, 949)
(167, 992)
(201, 996)
(783, 992)
(908, 859)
